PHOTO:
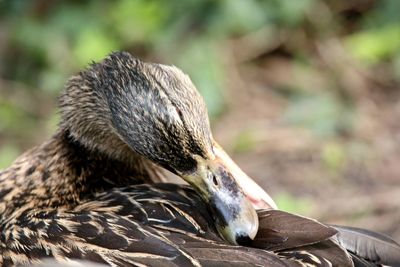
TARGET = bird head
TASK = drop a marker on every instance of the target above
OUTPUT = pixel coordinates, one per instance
(123, 106)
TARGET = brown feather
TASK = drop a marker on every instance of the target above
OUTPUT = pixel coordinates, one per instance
(279, 230)
(372, 246)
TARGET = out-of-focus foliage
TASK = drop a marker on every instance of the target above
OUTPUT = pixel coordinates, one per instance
(46, 41)
(315, 70)
(289, 203)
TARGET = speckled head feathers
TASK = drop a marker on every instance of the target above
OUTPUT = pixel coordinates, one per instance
(125, 104)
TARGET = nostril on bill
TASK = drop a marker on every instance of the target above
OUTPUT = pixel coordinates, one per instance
(215, 180)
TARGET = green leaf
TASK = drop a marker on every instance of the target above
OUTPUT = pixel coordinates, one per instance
(245, 141)
(93, 45)
(334, 156)
(8, 154)
(201, 61)
(139, 20)
(237, 17)
(289, 203)
(372, 46)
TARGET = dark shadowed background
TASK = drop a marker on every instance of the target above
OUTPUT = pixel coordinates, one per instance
(304, 94)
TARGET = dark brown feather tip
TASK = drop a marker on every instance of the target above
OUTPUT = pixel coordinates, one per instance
(279, 230)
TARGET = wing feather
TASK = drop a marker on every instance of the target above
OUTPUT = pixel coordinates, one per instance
(371, 246)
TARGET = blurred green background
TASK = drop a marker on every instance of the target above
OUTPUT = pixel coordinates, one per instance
(303, 93)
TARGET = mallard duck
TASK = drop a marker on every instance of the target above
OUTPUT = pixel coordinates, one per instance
(92, 192)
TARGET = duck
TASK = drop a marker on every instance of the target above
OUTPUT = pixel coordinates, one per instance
(97, 191)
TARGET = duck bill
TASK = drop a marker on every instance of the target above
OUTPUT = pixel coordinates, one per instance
(257, 196)
(234, 216)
